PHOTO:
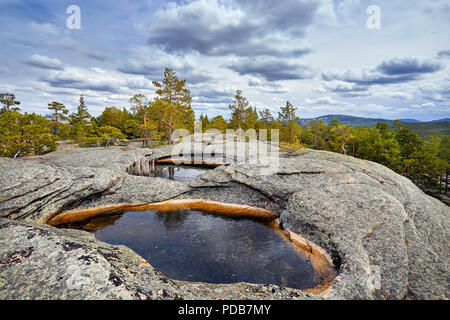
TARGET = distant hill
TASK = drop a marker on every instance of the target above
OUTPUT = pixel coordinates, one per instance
(355, 121)
(423, 129)
(442, 120)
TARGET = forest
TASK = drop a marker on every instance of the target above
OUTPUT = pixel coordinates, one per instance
(424, 161)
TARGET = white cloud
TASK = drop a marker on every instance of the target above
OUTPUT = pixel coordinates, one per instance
(96, 80)
(44, 62)
(323, 100)
(243, 28)
(425, 105)
(400, 95)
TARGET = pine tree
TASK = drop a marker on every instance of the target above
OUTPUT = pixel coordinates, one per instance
(140, 106)
(81, 116)
(410, 145)
(238, 108)
(341, 136)
(80, 120)
(57, 116)
(174, 103)
(266, 117)
(288, 117)
(205, 122)
(250, 119)
(9, 102)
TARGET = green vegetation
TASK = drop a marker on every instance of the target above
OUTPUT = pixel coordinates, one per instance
(24, 134)
(424, 162)
(31, 134)
(424, 129)
(428, 129)
(395, 145)
(9, 102)
(173, 105)
(288, 117)
(242, 115)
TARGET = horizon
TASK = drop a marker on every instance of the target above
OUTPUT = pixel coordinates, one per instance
(297, 51)
(348, 115)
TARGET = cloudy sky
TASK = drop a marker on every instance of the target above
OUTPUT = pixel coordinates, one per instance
(318, 54)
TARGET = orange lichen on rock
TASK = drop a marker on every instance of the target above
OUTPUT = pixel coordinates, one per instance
(319, 258)
(208, 206)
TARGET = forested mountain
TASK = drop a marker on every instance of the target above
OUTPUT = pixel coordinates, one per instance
(354, 121)
(423, 129)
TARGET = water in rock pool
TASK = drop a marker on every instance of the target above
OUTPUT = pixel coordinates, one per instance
(177, 173)
(194, 246)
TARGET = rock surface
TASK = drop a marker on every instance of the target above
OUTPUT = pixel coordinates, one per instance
(387, 238)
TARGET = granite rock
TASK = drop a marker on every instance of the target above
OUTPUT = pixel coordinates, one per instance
(388, 239)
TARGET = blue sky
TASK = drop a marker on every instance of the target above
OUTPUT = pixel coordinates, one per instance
(318, 54)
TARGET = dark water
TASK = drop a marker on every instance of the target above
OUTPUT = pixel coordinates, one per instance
(193, 246)
(177, 173)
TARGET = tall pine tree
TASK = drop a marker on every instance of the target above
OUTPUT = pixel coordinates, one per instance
(80, 120)
(81, 116)
(288, 117)
(174, 103)
(9, 102)
(57, 116)
(140, 106)
(240, 104)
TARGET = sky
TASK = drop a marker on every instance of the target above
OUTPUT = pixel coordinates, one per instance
(324, 56)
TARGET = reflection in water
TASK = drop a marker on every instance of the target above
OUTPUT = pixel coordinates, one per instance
(193, 246)
(172, 219)
(177, 173)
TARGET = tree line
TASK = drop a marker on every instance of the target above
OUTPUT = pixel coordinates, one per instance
(28, 134)
(397, 147)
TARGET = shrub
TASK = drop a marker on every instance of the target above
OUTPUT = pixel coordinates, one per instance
(108, 136)
(295, 147)
(27, 134)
